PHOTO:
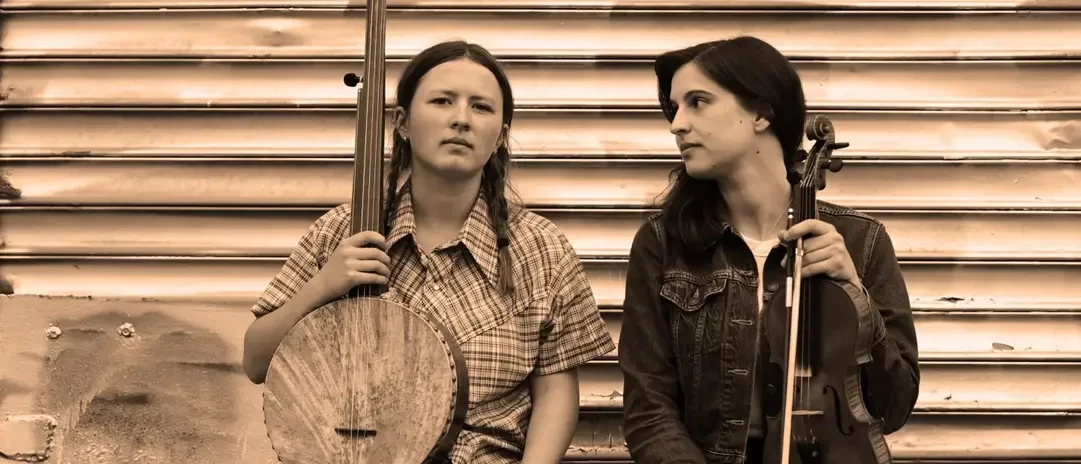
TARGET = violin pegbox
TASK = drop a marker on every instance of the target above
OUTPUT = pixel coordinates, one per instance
(820, 131)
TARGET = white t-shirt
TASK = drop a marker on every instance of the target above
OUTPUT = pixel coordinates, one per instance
(760, 249)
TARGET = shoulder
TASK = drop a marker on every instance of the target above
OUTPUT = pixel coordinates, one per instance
(861, 231)
(331, 227)
(849, 221)
(650, 233)
(336, 221)
(841, 211)
(542, 256)
(537, 236)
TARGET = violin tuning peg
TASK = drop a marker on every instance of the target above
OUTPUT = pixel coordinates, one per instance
(836, 165)
(801, 155)
(353, 80)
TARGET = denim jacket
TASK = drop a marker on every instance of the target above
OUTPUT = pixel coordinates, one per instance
(689, 331)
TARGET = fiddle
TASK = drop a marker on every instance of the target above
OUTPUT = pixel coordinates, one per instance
(817, 344)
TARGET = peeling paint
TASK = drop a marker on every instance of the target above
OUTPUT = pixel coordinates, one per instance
(7, 190)
(171, 394)
(27, 438)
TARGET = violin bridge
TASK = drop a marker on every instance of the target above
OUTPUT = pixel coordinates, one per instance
(805, 412)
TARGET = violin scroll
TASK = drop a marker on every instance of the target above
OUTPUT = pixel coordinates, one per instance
(820, 131)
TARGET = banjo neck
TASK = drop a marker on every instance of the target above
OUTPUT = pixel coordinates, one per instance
(366, 205)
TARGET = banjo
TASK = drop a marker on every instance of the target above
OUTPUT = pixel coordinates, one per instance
(363, 379)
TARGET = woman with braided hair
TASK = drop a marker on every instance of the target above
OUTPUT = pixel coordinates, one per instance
(503, 280)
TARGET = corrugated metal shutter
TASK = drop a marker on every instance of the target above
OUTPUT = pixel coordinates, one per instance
(176, 149)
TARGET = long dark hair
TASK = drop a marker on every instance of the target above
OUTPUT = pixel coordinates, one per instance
(763, 80)
(493, 180)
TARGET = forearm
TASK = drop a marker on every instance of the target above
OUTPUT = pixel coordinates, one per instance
(891, 385)
(651, 413)
(652, 420)
(554, 417)
(654, 432)
(891, 378)
(265, 333)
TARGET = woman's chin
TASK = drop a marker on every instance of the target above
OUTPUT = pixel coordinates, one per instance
(701, 170)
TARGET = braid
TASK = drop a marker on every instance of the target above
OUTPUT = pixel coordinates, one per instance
(398, 161)
(494, 187)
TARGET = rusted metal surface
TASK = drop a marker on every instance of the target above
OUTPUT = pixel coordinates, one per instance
(927, 438)
(537, 83)
(173, 392)
(548, 4)
(1012, 324)
(989, 336)
(267, 33)
(627, 183)
(178, 377)
(594, 233)
(933, 285)
(945, 386)
(26, 437)
(536, 133)
(998, 310)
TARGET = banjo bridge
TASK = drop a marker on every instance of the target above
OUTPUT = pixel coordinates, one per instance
(355, 433)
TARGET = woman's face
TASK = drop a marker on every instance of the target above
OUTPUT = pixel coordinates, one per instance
(713, 130)
(455, 121)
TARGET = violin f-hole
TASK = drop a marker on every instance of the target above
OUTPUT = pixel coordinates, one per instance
(834, 395)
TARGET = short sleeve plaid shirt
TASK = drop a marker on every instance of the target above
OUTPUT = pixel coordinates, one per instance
(551, 323)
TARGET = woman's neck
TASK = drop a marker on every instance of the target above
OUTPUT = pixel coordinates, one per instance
(757, 196)
(441, 206)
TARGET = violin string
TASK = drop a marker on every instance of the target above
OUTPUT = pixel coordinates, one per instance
(805, 313)
(806, 202)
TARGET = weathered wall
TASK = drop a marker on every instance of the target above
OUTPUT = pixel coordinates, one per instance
(161, 157)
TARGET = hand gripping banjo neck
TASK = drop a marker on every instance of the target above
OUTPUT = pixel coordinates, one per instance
(364, 379)
(818, 340)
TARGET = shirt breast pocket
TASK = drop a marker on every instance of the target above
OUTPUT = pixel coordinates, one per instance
(502, 344)
(700, 309)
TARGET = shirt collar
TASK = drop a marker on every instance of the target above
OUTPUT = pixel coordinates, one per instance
(477, 235)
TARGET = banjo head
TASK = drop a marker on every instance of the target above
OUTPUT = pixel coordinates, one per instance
(364, 380)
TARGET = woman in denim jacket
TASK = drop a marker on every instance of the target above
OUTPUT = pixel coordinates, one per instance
(702, 269)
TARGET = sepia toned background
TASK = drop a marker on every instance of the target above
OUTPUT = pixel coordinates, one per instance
(161, 157)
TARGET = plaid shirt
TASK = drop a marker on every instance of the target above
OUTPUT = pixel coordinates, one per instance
(550, 323)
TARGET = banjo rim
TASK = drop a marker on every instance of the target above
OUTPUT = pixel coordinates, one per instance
(459, 403)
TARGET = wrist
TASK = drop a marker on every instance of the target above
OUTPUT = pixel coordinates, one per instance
(316, 292)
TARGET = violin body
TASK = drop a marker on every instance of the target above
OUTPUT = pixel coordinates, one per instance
(817, 340)
(835, 426)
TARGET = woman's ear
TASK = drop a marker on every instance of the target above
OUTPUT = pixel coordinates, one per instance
(504, 136)
(761, 124)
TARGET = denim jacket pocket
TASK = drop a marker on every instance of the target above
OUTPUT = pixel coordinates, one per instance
(689, 292)
(700, 331)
